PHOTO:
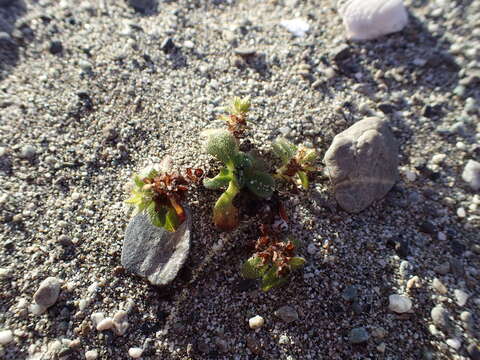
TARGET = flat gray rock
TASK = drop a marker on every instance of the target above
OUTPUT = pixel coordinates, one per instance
(154, 253)
(362, 163)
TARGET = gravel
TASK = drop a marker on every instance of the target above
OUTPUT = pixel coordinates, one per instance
(113, 75)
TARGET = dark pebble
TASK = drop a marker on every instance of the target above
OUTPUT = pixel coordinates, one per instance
(432, 111)
(56, 47)
(341, 53)
(473, 351)
(386, 108)
(245, 52)
(167, 45)
(143, 6)
(427, 227)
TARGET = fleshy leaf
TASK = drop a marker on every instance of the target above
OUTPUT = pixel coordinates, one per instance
(239, 106)
(260, 183)
(221, 144)
(271, 280)
(252, 268)
(303, 179)
(225, 214)
(284, 149)
(296, 262)
(219, 181)
(242, 161)
(172, 221)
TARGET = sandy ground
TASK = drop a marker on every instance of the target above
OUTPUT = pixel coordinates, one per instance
(76, 123)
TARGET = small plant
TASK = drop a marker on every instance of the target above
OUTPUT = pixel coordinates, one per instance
(241, 170)
(272, 263)
(296, 161)
(160, 196)
(237, 118)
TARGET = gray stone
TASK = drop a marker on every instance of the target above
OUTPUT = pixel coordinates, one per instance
(358, 335)
(362, 163)
(399, 304)
(471, 174)
(143, 6)
(287, 313)
(461, 297)
(473, 351)
(439, 316)
(28, 152)
(47, 293)
(155, 253)
(350, 293)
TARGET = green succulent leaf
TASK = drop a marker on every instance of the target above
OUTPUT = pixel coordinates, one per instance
(309, 157)
(271, 280)
(303, 179)
(260, 183)
(239, 106)
(296, 262)
(253, 268)
(157, 218)
(221, 144)
(219, 181)
(242, 161)
(172, 222)
(225, 214)
(284, 149)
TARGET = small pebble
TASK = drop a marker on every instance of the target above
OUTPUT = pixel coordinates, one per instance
(287, 313)
(471, 174)
(461, 297)
(358, 335)
(135, 352)
(473, 351)
(399, 304)
(439, 316)
(28, 152)
(454, 343)
(439, 287)
(91, 355)
(312, 249)
(381, 348)
(256, 322)
(443, 269)
(6, 337)
(105, 324)
(47, 293)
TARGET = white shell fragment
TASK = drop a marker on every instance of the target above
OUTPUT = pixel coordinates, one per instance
(298, 27)
(369, 19)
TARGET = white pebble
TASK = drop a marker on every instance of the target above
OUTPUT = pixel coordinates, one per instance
(438, 158)
(256, 322)
(410, 175)
(461, 297)
(135, 352)
(442, 236)
(369, 19)
(91, 354)
(6, 337)
(461, 212)
(36, 309)
(399, 304)
(97, 318)
(439, 287)
(471, 174)
(454, 343)
(105, 324)
(297, 27)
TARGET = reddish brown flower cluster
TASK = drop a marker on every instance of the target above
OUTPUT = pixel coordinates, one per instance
(274, 251)
(237, 125)
(170, 189)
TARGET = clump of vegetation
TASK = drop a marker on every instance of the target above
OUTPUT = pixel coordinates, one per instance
(274, 258)
(297, 161)
(160, 196)
(241, 170)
